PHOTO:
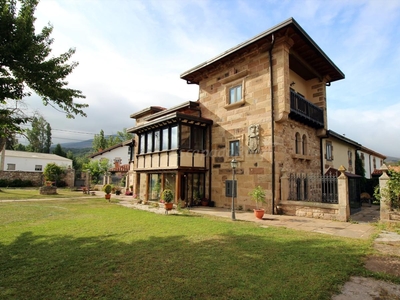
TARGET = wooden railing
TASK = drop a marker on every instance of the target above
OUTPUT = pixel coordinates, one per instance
(304, 111)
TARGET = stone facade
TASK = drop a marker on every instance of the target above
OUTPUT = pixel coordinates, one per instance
(231, 122)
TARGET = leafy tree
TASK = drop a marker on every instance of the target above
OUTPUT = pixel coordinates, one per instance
(26, 67)
(59, 151)
(52, 172)
(97, 168)
(99, 142)
(392, 190)
(39, 136)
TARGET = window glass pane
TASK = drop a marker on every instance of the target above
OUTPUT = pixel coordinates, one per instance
(142, 144)
(174, 137)
(232, 96)
(149, 147)
(238, 93)
(165, 139)
(154, 187)
(185, 137)
(234, 148)
(198, 138)
(157, 140)
(235, 94)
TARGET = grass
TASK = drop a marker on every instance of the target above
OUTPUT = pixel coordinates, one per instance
(90, 249)
(33, 193)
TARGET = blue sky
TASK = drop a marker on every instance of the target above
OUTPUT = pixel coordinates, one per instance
(132, 52)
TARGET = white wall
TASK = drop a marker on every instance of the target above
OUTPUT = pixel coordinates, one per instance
(120, 152)
(27, 161)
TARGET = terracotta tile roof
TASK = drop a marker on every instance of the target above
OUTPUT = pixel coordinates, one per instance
(377, 172)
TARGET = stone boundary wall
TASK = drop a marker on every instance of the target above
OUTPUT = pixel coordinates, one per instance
(309, 209)
(37, 178)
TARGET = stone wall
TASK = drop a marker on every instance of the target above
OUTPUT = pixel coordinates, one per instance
(309, 209)
(37, 178)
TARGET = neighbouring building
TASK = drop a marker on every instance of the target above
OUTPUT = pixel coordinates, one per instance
(24, 165)
(32, 161)
(120, 156)
(338, 150)
(372, 161)
(262, 103)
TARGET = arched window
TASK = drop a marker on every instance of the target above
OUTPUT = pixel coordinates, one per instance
(304, 145)
(298, 142)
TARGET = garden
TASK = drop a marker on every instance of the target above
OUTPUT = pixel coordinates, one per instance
(86, 248)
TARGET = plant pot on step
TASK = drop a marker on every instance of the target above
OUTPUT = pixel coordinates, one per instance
(168, 206)
(259, 213)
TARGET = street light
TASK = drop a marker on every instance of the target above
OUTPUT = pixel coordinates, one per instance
(233, 165)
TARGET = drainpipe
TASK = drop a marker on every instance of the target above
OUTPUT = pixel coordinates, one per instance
(210, 163)
(272, 121)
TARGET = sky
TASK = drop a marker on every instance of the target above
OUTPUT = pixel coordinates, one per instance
(131, 54)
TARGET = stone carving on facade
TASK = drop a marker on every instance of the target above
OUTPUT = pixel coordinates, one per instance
(253, 140)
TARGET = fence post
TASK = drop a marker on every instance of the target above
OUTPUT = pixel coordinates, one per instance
(284, 185)
(343, 196)
(385, 203)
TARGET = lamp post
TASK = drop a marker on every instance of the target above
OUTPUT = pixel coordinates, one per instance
(233, 165)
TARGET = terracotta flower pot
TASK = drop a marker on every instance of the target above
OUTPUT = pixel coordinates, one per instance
(168, 206)
(259, 213)
(107, 196)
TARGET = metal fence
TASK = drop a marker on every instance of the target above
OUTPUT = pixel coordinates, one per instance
(313, 188)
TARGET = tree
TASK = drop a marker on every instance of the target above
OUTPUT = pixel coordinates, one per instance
(59, 151)
(39, 136)
(99, 142)
(26, 65)
(52, 172)
(359, 169)
(97, 168)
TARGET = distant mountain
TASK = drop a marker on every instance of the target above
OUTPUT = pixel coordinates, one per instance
(391, 160)
(77, 145)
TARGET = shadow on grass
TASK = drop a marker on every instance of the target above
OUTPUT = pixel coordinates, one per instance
(233, 265)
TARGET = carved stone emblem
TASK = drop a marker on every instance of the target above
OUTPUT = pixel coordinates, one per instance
(253, 141)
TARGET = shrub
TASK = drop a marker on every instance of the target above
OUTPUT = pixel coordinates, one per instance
(392, 190)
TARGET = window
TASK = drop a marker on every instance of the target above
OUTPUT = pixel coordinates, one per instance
(185, 137)
(197, 134)
(142, 144)
(304, 144)
(10, 167)
(38, 167)
(329, 150)
(350, 157)
(157, 140)
(149, 147)
(230, 188)
(298, 143)
(235, 94)
(174, 137)
(234, 148)
(165, 140)
(374, 162)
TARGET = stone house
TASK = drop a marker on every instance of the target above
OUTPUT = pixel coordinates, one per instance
(261, 103)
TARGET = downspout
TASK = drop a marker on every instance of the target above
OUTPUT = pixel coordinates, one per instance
(272, 121)
(209, 162)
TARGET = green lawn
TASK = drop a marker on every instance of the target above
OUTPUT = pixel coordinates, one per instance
(33, 193)
(91, 249)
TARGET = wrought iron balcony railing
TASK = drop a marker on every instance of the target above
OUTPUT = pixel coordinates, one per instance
(305, 112)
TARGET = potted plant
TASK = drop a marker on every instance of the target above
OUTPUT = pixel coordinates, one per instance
(168, 197)
(258, 195)
(107, 189)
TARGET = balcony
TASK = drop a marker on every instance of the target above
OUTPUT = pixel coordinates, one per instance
(305, 112)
